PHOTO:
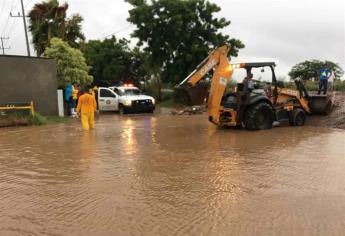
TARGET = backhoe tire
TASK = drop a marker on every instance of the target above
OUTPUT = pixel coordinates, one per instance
(259, 116)
(297, 117)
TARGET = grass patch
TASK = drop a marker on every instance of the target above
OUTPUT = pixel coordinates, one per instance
(20, 119)
(37, 119)
(56, 119)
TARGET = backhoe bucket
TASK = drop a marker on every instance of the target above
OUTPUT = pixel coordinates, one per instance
(199, 93)
(320, 104)
(194, 95)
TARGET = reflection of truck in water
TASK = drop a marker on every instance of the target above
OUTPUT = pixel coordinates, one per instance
(124, 99)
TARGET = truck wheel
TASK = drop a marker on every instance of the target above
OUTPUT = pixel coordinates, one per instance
(297, 117)
(121, 110)
(259, 116)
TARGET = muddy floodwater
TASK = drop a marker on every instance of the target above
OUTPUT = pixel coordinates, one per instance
(171, 175)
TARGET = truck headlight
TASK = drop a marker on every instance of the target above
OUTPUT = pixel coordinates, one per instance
(127, 102)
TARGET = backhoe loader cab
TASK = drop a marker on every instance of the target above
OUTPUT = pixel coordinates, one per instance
(254, 107)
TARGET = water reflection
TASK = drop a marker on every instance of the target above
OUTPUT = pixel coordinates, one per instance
(166, 175)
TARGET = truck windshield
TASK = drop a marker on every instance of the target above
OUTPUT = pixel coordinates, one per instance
(129, 92)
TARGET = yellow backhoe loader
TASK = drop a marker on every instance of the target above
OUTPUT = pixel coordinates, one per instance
(258, 108)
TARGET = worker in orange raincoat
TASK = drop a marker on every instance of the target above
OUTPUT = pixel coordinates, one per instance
(87, 107)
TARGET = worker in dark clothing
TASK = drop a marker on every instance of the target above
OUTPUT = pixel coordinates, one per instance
(68, 98)
(248, 86)
(325, 73)
(248, 83)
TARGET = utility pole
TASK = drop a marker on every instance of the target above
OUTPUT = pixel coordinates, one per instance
(25, 29)
(2, 44)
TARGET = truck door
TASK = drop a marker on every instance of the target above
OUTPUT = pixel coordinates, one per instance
(107, 100)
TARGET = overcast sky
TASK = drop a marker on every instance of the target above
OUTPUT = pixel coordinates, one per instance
(284, 31)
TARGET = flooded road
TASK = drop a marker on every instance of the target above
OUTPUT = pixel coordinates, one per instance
(171, 175)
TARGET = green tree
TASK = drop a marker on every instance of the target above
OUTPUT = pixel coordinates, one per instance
(71, 64)
(48, 20)
(112, 61)
(311, 69)
(140, 69)
(178, 34)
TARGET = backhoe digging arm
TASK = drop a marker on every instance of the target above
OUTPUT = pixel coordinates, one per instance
(217, 60)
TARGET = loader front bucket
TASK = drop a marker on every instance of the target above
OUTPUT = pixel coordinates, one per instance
(320, 104)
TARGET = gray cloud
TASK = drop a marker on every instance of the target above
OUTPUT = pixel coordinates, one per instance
(287, 31)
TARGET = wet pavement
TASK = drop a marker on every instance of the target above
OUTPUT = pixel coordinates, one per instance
(171, 175)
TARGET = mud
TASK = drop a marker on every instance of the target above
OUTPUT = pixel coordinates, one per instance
(336, 119)
(13, 121)
(171, 175)
(192, 110)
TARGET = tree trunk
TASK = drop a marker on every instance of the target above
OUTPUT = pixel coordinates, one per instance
(49, 33)
(63, 31)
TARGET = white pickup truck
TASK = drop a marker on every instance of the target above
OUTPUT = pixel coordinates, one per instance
(125, 99)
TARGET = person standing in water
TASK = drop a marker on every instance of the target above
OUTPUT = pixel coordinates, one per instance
(87, 107)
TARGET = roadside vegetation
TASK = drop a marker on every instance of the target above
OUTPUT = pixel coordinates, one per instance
(160, 57)
(38, 119)
(70, 63)
(167, 48)
(310, 69)
(20, 119)
(48, 19)
(337, 85)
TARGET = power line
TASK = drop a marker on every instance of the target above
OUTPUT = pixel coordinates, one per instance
(25, 28)
(14, 25)
(2, 44)
(1, 10)
(28, 3)
(120, 30)
(2, 7)
(26, 31)
(13, 6)
(7, 20)
(11, 26)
